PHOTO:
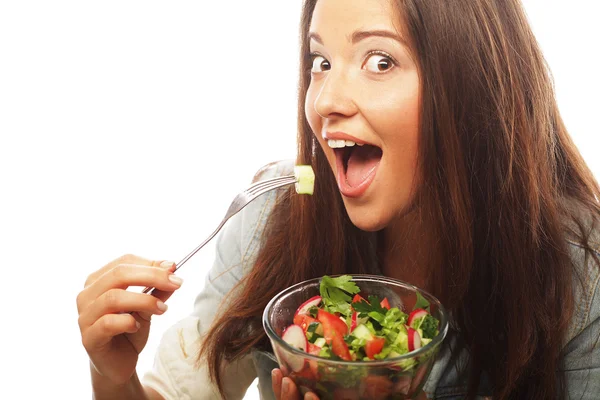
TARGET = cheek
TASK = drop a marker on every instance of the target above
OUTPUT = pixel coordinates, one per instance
(395, 115)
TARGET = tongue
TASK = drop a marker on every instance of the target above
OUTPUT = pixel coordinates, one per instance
(362, 161)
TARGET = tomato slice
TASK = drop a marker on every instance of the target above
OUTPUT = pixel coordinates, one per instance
(339, 347)
(374, 346)
(358, 298)
(303, 321)
(331, 322)
(385, 303)
(334, 330)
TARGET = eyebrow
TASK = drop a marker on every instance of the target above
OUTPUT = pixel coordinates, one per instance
(357, 36)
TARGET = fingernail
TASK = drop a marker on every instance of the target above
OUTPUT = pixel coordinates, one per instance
(175, 280)
(137, 324)
(167, 264)
(161, 306)
(273, 375)
(285, 386)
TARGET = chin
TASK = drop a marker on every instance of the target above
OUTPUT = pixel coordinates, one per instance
(368, 220)
(372, 218)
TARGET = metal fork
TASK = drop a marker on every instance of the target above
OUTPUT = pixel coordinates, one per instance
(239, 202)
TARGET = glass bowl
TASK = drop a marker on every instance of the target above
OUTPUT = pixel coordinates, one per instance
(401, 377)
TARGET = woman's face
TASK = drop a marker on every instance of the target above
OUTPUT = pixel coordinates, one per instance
(365, 89)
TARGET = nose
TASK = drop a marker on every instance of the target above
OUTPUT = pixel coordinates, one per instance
(334, 98)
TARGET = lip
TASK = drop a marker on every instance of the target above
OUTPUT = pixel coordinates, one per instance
(344, 136)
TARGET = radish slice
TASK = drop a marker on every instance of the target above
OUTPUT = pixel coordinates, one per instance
(414, 339)
(304, 307)
(294, 336)
(414, 315)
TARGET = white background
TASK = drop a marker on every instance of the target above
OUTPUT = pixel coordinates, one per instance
(128, 126)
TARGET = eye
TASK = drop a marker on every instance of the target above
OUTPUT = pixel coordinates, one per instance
(319, 63)
(379, 62)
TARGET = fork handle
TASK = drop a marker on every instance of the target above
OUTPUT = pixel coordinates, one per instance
(151, 290)
(234, 208)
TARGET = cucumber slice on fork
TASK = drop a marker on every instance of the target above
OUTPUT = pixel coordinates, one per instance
(305, 177)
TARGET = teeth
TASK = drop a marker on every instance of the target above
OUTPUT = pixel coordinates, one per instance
(338, 144)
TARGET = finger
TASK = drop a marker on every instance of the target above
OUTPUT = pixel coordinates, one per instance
(125, 275)
(86, 296)
(117, 301)
(125, 259)
(276, 382)
(289, 390)
(158, 294)
(107, 327)
(311, 396)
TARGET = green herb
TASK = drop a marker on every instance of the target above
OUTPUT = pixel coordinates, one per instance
(348, 339)
(429, 326)
(336, 293)
(421, 302)
(372, 308)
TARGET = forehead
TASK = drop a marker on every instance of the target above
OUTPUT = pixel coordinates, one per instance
(336, 17)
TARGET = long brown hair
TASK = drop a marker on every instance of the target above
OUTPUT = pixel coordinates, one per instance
(503, 186)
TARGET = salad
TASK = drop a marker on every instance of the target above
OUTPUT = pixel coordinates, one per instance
(339, 324)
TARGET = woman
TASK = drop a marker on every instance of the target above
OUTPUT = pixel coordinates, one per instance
(442, 160)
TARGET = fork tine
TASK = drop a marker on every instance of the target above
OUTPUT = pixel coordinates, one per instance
(272, 185)
(269, 183)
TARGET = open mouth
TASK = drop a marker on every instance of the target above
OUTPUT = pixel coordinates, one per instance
(357, 164)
